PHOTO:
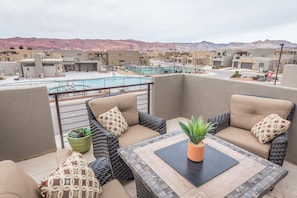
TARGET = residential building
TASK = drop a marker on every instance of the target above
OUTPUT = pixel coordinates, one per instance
(201, 58)
(70, 59)
(100, 56)
(40, 66)
(78, 60)
(123, 57)
(16, 54)
(9, 68)
(223, 58)
(262, 59)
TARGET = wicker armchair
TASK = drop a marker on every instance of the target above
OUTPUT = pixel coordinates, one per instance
(251, 112)
(105, 143)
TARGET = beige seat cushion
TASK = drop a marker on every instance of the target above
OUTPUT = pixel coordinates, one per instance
(244, 139)
(135, 134)
(114, 189)
(246, 111)
(127, 104)
(14, 182)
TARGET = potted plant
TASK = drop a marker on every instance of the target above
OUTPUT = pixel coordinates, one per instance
(196, 130)
(80, 139)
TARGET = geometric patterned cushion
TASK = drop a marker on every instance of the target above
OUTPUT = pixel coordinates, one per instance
(114, 121)
(270, 127)
(73, 179)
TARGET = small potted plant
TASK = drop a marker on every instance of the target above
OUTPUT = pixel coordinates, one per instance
(80, 139)
(196, 130)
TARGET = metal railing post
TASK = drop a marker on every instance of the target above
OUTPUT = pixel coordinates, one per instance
(148, 98)
(59, 119)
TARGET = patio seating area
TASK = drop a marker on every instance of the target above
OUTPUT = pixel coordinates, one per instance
(40, 167)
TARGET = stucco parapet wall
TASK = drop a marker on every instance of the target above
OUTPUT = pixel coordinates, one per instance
(289, 76)
(27, 60)
(51, 60)
(26, 125)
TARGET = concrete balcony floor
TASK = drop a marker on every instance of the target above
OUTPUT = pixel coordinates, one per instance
(42, 166)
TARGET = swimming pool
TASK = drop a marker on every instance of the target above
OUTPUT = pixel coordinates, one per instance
(81, 84)
(159, 70)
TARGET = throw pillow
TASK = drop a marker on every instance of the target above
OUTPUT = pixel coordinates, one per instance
(114, 121)
(73, 179)
(270, 127)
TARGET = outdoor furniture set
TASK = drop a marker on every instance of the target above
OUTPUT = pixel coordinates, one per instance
(131, 144)
(128, 142)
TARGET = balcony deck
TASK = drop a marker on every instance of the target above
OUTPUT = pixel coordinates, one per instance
(171, 96)
(44, 165)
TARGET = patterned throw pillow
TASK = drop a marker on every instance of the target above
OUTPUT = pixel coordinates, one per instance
(73, 179)
(114, 121)
(270, 127)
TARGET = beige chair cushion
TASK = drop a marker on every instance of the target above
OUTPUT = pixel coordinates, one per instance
(246, 111)
(114, 189)
(127, 104)
(270, 127)
(245, 140)
(135, 134)
(14, 182)
(114, 121)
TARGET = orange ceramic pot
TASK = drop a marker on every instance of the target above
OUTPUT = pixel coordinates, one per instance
(196, 151)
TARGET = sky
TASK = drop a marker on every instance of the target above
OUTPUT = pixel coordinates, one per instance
(174, 21)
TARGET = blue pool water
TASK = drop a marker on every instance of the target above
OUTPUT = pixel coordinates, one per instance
(158, 70)
(68, 85)
(150, 70)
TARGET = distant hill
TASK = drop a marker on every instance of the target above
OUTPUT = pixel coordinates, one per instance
(45, 44)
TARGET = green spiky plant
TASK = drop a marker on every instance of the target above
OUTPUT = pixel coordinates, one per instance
(196, 129)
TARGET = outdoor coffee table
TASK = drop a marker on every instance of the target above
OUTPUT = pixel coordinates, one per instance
(247, 176)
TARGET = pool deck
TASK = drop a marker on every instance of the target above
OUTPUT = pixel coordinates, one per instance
(70, 76)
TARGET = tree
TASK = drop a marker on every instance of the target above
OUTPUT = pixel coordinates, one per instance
(21, 47)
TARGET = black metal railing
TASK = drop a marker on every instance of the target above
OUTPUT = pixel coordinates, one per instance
(71, 110)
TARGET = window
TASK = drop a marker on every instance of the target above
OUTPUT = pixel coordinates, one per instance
(48, 64)
(29, 64)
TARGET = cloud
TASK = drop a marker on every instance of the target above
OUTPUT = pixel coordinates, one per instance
(153, 21)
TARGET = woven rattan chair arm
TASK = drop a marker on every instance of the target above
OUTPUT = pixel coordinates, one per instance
(153, 122)
(278, 149)
(102, 170)
(222, 121)
(103, 140)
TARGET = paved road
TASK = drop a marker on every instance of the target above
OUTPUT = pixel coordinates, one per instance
(227, 73)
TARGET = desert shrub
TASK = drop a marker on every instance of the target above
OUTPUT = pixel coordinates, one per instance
(236, 74)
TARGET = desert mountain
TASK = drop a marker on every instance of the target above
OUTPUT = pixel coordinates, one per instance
(45, 44)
